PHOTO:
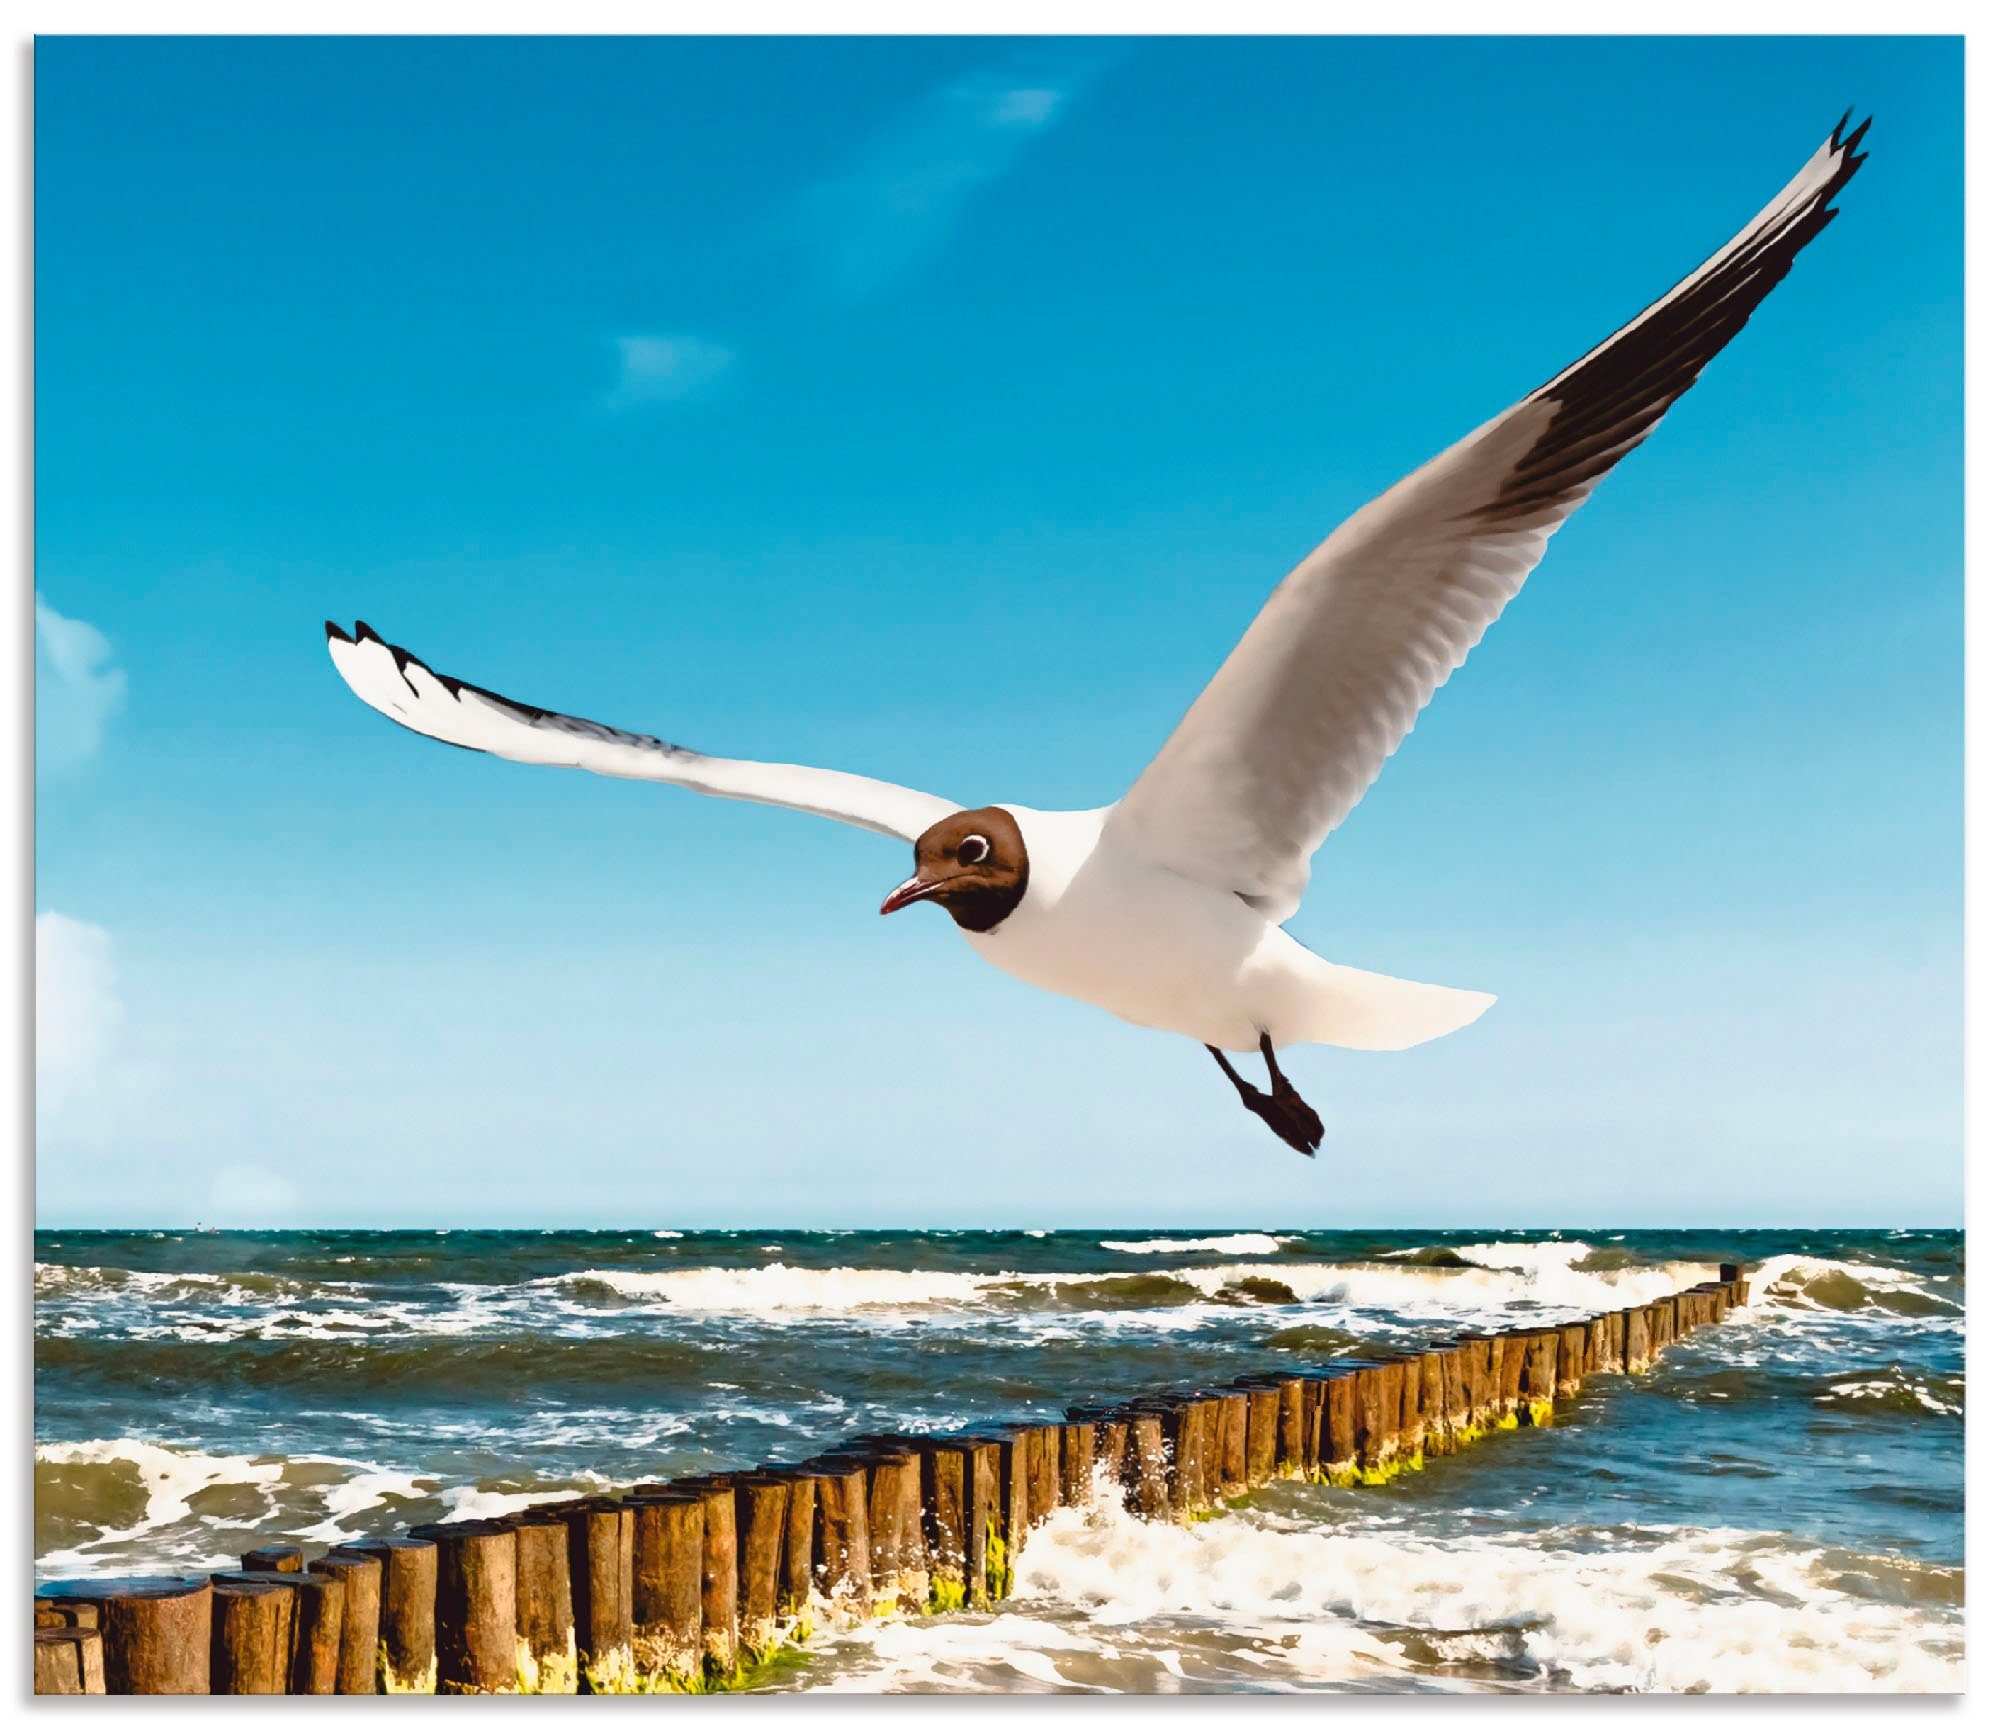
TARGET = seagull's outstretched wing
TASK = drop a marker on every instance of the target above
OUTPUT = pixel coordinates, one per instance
(1331, 675)
(394, 682)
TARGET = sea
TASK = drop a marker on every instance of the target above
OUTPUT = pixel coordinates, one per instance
(1777, 1506)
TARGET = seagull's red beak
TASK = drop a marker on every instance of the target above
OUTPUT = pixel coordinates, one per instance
(909, 892)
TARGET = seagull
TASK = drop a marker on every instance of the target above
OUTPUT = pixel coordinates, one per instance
(1168, 907)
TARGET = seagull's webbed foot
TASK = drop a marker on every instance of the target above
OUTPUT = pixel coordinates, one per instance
(1281, 1110)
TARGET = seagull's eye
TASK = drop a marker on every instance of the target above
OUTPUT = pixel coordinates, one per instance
(973, 850)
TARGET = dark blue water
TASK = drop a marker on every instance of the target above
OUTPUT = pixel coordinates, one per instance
(1779, 1503)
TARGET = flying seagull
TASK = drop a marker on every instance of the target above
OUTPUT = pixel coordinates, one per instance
(1168, 907)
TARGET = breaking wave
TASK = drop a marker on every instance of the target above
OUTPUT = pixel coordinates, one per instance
(1267, 1601)
(1242, 1243)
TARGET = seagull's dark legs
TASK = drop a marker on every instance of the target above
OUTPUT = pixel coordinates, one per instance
(1283, 1112)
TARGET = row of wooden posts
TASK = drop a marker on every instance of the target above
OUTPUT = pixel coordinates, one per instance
(691, 1585)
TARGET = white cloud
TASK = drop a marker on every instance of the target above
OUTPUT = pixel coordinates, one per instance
(665, 368)
(900, 199)
(77, 688)
(78, 1017)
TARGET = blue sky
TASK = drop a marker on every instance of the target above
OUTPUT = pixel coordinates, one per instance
(943, 410)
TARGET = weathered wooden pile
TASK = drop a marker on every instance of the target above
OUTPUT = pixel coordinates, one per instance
(693, 1585)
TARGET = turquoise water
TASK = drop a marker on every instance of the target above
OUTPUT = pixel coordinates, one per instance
(1778, 1504)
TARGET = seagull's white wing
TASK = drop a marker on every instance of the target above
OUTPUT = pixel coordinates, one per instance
(394, 682)
(1300, 718)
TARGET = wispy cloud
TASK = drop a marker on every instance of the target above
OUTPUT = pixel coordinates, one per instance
(77, 689)
(898, 201)
(666, 369)
(77, 1012)
(882, 213)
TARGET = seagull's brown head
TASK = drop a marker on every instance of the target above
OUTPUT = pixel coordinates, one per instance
(974, 864)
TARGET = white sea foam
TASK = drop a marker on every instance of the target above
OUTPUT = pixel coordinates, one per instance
(1810, 1282)
(1556, 1255)
(1423, 1292)
(1242, 1243)
(1260, 1599)
(778, 1288)
(168, 1477)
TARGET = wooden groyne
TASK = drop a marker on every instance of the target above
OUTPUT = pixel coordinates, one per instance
(701, 1583)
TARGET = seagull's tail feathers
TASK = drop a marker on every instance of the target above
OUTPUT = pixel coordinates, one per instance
(1363, 1011)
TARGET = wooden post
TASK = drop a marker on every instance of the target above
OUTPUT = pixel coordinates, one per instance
(317, 1614)
(1312, 1384)
(1482, 1380)
(406, 1653)
(1412, 1426)
(1180, 1431)
(1114, 1447)
(947, 1466)
(913, 1571)
(1013, 1501)
(760, 1541)
(1638, 1339)
(885, 1529)
(840, 1534)
(1148, 1455)
(477, 1605)
(1260, 1445)
(155, 1631)
(360, 1579)
(64, 1612)
(719, 1656)
(1541, 1354)
(1191, 1416)
(1434, 1436)
(1454, 1396)
(599, 1532)
(1044, 1471)
(250, 1636)
(1573, 1359)
(1513, 1383)
(667, 1525)
(544, 1611)
(985, 1549)
(1214, 1438)
(1079, 1461)
(69, 1660)
(1231, 1453)
(1291, 1425)
(1378, 1392)
(1337, 1460)
(275, 1558)
(883, 1464)
(795, 1562)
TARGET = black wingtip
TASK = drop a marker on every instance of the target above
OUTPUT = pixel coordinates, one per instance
(365, 632)
(335, 634)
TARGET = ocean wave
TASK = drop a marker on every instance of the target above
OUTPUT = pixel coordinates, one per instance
(1241, 1243)
(1429, 1292)
(1107, 1602)
(773, 1289)
(61, 1279)
(1898, 1392)
(108, 1506)
(1847, 1287)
